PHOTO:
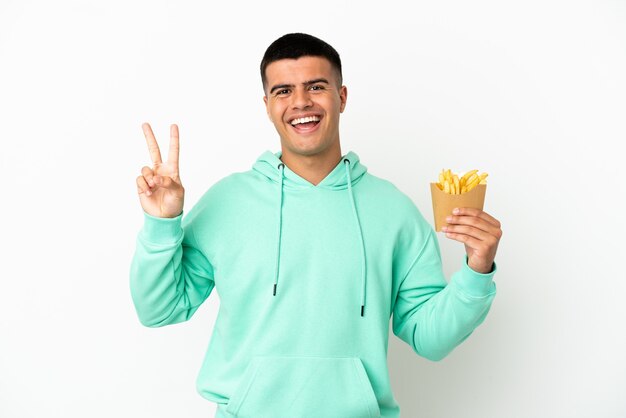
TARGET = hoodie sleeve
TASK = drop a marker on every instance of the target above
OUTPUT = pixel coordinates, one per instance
(169, 275)
(432, 317)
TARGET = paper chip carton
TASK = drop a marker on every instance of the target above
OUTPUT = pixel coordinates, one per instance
(443, 203)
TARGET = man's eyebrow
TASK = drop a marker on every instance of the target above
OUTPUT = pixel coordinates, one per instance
(317, 80)
(280, 86)
(306, 83)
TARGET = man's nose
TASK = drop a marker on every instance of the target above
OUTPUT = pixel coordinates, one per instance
(301, 99)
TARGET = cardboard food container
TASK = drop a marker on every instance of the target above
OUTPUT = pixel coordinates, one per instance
(443, 203)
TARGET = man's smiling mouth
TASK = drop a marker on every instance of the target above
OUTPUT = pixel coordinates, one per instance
(305, 124)
(308, 120)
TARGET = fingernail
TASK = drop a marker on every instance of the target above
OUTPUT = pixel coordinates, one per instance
(148, 193)
(444, 228)
(449, 218)
(455, 211)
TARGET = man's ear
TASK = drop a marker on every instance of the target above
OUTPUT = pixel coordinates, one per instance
(267, 109)
(343, 96)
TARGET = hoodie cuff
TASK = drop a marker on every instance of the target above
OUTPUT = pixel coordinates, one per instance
(473, 283)
(162, 230)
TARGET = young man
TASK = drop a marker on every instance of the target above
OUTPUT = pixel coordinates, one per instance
(311, 255)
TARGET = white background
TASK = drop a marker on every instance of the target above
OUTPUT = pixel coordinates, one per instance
(532, 92)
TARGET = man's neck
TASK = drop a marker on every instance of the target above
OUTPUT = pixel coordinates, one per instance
(313, 168)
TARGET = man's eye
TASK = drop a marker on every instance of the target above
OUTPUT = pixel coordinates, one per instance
(282, 92)
(317, 87)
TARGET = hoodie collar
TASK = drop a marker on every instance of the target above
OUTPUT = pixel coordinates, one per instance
(268, 165)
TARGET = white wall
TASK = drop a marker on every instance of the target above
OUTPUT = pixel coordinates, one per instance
(533, 92)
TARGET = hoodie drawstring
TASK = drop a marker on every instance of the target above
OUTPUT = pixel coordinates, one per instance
(281, 169)
(281, 174)
(358, 225)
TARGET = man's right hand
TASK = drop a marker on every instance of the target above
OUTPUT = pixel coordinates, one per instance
(161, 192)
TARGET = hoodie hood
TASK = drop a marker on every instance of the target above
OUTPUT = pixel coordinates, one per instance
(347, 173)
(268, 164)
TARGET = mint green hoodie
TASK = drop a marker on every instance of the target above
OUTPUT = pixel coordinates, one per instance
(308, 278)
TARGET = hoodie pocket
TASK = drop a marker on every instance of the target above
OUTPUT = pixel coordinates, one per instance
(304, 387)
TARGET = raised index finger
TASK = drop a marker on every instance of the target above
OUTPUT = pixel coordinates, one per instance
(153, 146)
(172, 156)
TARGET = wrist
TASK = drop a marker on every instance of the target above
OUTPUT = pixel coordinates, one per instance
(481, 269)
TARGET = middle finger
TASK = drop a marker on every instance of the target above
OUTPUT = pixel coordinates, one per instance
(467, 230)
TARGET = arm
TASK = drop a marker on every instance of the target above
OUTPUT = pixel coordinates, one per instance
(169, 275)
(432, 317)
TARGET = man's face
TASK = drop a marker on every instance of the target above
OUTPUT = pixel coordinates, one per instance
(303, 100)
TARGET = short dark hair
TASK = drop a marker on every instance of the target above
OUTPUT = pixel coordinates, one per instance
(296, 45)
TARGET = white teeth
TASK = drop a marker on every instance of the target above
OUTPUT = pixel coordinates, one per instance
(305, 120)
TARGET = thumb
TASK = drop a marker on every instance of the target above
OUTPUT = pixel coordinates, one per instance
(166, 182)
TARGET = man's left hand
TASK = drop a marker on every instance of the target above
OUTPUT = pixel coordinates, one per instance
(480, 232)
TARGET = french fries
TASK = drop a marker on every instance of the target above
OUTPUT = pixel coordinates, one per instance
(452, 183)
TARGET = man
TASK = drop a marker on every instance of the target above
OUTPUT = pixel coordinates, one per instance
(311, 255)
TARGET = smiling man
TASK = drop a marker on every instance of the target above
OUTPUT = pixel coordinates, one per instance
(304, 98)
(311, 256)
